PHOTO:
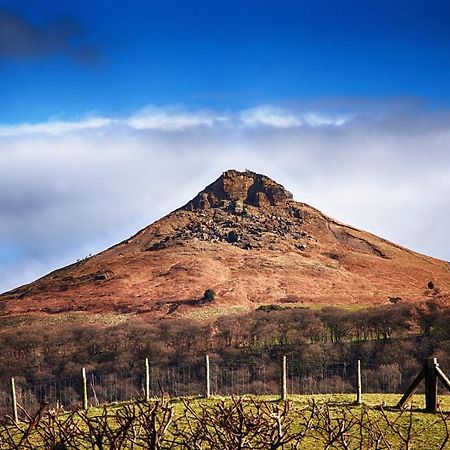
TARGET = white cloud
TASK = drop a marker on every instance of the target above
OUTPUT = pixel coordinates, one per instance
(68, 189)
(269, 116)
(169, 120)
(177, 119)
(54, 127)
(279, 118)
(318, 119)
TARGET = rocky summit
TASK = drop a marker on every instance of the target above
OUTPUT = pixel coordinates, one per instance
(234, 189)
(247, 239)
(237, 209)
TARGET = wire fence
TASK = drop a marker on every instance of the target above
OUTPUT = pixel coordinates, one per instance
(225, 379)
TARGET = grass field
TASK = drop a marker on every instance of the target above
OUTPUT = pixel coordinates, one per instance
(428, 430)
(309, 422)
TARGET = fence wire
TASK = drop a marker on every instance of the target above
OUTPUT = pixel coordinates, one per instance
(238, 378)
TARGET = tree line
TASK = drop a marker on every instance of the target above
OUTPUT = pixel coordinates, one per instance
(400, 334)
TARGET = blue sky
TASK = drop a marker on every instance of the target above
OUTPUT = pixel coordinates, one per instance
(113, 57)
(112, 114)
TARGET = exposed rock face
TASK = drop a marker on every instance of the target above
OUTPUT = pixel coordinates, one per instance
(246, 238)
(245, 209)
(235, 188)
(244, 225)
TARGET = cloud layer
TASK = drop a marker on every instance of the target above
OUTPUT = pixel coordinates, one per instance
(70, 188)
(171, 119)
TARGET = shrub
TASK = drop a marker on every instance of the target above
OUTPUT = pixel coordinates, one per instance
(209, 295)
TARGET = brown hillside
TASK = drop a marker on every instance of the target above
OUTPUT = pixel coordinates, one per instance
(246, 238)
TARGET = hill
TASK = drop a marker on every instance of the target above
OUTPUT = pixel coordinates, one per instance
(247, 239)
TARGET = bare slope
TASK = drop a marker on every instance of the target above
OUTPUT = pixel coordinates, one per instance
(246, 238)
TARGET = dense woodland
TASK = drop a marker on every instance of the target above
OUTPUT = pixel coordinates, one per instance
(397, 335)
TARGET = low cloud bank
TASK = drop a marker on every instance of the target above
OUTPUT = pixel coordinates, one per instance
(70, 188)
(176, 119)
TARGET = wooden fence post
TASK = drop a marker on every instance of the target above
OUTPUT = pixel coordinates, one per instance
(147, 380)
(431, 386)
(411, 389)
(430, 372)
(14, 400)
(358, 381)
(85, 394)
(207, 379)
(441, 375)
(283, 381)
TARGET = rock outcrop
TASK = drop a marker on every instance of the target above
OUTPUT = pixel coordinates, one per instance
(234, 189)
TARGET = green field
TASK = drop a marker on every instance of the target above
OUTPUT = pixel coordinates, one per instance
(249, 422)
